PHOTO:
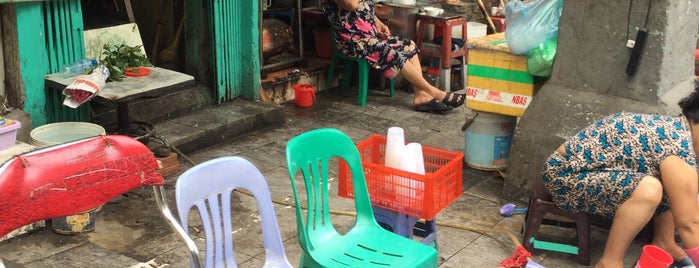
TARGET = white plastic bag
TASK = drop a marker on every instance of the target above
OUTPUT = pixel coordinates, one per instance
(85, 87)
(530, 23)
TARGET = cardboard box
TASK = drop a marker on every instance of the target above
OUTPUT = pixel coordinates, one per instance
(498, 82)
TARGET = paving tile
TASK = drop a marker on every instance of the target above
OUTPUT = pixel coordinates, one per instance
(85, 256)
(470, 231)
(39, 245)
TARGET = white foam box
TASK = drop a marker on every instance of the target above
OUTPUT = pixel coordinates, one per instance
(473, 30)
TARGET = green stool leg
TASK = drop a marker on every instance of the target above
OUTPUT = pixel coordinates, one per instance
(347, 73)
(331, 72)
(392, 87)
(363, 83)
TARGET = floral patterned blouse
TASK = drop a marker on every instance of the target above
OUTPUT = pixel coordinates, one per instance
(355, 35)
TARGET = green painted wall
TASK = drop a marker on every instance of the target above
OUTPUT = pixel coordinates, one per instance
(33, 58)
(49, 35)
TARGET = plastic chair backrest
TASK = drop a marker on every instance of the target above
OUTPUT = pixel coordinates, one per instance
(204, 184)
(304, 154)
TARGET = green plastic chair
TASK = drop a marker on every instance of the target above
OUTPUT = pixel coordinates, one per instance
(366, 244)
(363, 64)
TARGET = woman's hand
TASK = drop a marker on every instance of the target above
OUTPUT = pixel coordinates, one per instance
(348, 5)
(382, 29)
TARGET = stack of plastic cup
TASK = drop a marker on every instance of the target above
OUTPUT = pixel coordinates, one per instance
(653, 257)
(395, 144)
(404, 157)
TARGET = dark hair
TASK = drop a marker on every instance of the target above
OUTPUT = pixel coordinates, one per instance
(690, 105)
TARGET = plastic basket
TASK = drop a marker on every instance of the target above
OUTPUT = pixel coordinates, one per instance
(410, 193)
(8, 134)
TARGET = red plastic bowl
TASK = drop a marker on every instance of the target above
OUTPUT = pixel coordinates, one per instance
(139, 71)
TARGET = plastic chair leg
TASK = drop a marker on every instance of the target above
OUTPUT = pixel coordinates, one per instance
(331, 72)
(346, 74)
(393, 86)
(363, 83)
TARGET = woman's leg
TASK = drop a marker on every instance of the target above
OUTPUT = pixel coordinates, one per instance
(629, 219)
(424, 91)
(680, 184)
(664, 235)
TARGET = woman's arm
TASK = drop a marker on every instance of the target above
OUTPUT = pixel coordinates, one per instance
(348, 5)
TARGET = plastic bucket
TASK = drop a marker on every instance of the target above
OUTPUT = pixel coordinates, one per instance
(487, 141)
(57, 133)
(653, 257)
(304, 95)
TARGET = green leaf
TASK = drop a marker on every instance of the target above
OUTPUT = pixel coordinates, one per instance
(120, 57)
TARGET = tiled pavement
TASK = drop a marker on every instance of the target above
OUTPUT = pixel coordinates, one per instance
(130, 230)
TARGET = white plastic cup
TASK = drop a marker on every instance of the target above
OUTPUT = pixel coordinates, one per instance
(395, 142)
(406, 190)
(416, 150)
(414, 153)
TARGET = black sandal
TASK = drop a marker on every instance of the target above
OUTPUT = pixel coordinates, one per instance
(454, 99)
(433, 106)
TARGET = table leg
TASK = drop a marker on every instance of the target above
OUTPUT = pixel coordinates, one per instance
(445, 79)
(123, 117)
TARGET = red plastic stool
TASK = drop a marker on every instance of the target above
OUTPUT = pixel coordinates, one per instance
(540, 204)
(444, 23)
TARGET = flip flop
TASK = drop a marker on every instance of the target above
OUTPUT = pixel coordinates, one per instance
(454, 99)
(433, 106)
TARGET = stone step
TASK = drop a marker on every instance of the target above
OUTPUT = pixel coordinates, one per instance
(158, 109)
(189, 119)
(216, 123)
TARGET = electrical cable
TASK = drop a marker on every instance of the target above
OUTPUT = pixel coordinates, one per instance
(628, 17)
(480, 230)
(645, 22)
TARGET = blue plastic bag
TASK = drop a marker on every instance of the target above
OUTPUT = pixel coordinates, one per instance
(530, 23)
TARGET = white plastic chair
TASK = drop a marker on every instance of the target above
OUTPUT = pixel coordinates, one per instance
(208, 186)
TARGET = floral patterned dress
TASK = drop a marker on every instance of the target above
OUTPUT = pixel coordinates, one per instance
(356, 36)
(605, 161)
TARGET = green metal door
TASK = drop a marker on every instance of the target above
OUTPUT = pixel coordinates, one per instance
(233, 40)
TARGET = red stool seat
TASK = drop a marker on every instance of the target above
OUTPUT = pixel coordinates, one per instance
(443, 25)
(540, 204)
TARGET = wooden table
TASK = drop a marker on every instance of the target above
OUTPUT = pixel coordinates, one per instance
(160, 81)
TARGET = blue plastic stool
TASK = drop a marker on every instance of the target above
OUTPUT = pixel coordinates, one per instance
(406, 225)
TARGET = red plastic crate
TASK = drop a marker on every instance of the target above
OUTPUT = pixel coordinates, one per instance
(410, 193)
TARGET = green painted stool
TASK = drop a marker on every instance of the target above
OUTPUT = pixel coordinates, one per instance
(363, 64)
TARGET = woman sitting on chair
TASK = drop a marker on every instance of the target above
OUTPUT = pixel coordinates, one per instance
(358, 33)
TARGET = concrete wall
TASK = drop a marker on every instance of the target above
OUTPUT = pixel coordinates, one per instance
(589, 79)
